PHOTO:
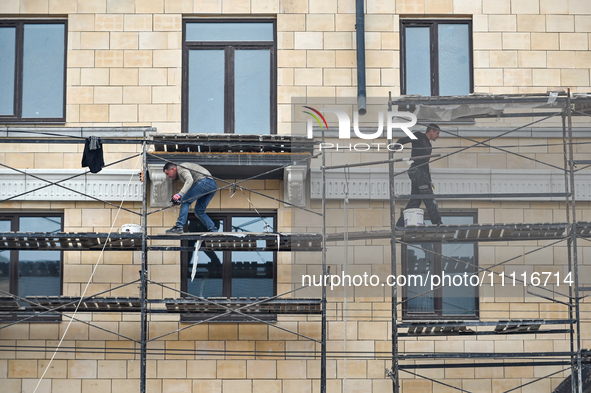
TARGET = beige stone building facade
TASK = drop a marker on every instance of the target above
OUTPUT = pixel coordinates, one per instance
(125, 70)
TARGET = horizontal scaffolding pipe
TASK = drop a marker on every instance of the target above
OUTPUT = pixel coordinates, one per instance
(379, 162)
(487, 196)
(473, 100)
(71, 140)
(487, 364)
(483, 355)
(490, 333)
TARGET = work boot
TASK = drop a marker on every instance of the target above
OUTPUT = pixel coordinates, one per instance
(174, 230)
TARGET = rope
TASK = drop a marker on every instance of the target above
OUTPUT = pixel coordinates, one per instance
(268, 228)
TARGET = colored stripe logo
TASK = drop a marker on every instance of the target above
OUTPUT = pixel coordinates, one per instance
(316, 117)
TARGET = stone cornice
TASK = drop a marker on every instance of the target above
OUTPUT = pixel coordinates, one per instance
(108, 184)
(373, 183)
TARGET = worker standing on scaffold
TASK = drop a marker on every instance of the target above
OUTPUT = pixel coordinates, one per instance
(420, 175)
(198, 186)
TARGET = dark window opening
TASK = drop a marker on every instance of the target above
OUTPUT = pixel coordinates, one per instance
(231, 273)
(30, 273)
(421, 261)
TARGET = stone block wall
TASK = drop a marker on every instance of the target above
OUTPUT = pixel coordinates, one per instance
(124, 69)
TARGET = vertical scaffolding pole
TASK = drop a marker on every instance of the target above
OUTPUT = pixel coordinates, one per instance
(573, 379)
(393, 269)
(575, 272)
(324, 273)
(144, 274)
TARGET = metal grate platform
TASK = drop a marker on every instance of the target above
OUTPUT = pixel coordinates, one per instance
(219, 241)
(8, 303)
(504, 326)
(215, 143)
(473, 232)
(251, 241)
(69, 241)
(95, 304)
(247, 305)
(180, 305)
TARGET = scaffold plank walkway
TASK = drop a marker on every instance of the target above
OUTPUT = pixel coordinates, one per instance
(215, 305)
(473, 232)
(245, 305)
(199, 143)
(218, 241)
(503, 326)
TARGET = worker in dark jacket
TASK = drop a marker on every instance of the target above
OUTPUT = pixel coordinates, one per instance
(419, 173)
(198, 186)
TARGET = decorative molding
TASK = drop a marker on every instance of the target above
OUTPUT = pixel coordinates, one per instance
(295, 184)
(373, 183)
(108, 184)
(160, 186)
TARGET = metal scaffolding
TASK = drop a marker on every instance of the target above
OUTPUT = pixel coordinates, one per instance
(255, 309)
(571, 231)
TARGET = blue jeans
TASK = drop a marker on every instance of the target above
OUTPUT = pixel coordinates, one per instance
(201, 193)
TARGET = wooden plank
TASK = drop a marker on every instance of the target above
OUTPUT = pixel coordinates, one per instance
(496, 233)
(8, 303)
(484, 234)
(473, 234)
(462, 233)
(508, 233)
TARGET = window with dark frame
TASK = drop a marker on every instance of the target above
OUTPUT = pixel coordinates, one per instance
(33, 71)
(31, 273)
(231, 273)
(459, 260)
(436, 57)
(229, 76)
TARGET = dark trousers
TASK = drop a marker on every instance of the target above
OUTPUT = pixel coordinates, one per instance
(421, 184)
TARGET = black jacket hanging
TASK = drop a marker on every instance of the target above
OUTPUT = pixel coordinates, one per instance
(93, 154)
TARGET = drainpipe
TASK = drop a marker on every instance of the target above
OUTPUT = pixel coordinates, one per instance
(360, 28)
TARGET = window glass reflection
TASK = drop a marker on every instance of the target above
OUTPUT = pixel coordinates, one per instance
(40, 224)
(418, 61)
(252, 92)
(448, 261)
(39, 271)
(454, 59)
(232, 273)
(43, 70)
(419, 264)
(229, 32)
(4, 262)
(7, 69)
(252, 274)
(458, 263)
(206, 91)
(208, 278)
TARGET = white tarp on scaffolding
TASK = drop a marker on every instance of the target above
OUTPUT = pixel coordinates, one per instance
(442, 112)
